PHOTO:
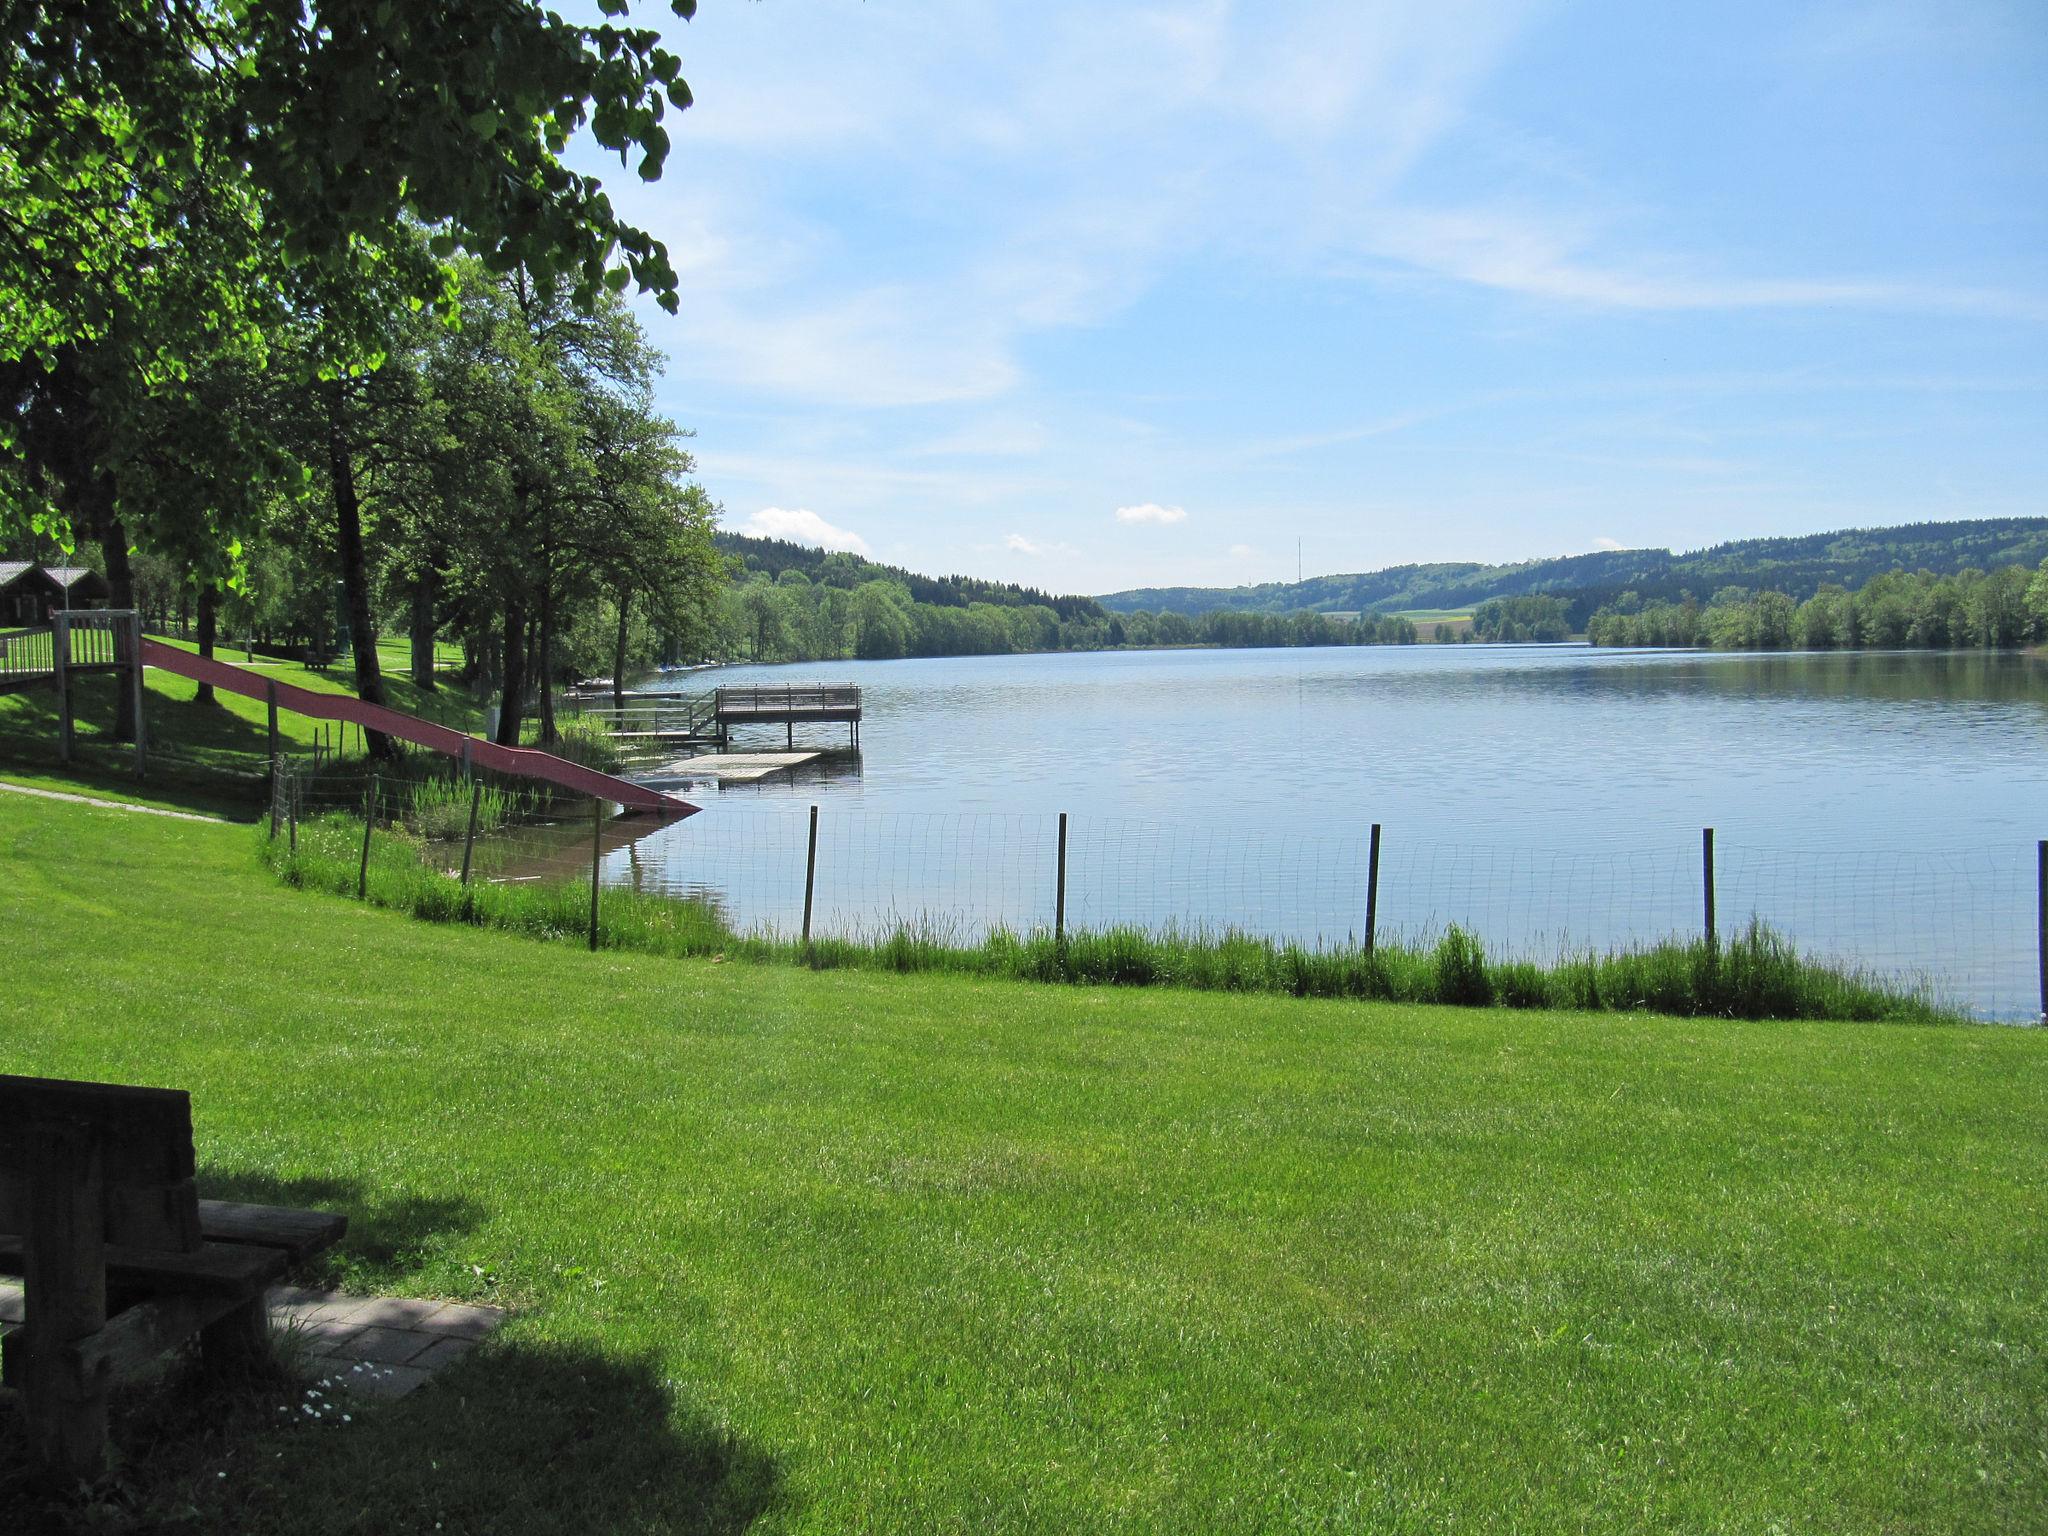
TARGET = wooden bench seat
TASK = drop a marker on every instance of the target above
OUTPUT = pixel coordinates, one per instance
(120, 1260)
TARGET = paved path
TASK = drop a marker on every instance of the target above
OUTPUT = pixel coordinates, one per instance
(108, 805)
(374, 1346)
(380, 1346)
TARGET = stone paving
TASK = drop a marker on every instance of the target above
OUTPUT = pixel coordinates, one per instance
(380, 1346)
(377, 1346)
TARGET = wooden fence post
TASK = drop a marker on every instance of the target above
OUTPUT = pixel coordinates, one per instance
(60, 662)
(476, 795)
(596, 862)
(134, 627)
(1707, 878)
(1372, 891)
(65, 1284)
(369, 821)
(1059, 910)
(809, 881)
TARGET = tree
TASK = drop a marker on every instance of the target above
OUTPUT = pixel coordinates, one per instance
(177, 178)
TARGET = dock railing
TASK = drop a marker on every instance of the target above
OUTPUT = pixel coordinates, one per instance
(778, 703)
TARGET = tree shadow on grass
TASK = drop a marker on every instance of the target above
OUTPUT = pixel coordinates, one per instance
(518, 1436)
(384, 1231)
(515, 1438)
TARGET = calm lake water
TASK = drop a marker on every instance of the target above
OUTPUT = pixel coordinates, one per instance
(1881, 807)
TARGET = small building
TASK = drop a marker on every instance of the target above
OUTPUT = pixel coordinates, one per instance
(30, 593)
(82, 588)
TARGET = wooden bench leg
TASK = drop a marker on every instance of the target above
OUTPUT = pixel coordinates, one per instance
(237, 1343)
(65, 1301)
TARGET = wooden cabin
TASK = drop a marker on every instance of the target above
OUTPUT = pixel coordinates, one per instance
(29, 593)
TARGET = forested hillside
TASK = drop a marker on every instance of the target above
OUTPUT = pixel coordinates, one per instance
(1795, 566)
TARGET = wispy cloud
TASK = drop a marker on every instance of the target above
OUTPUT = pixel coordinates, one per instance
(1152, 514)
(800, 525)
(1017, 544)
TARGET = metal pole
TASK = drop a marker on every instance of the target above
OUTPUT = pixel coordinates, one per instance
(292, 810)
(2041, 918)
(369, 821)
(1059, 911)
(809, 879)
(596, 862)
(1372, 891)
(270, 698)
(476, 795)
(1707, 877)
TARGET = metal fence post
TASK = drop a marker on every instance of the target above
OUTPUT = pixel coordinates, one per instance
(270, 699)
(1059, 910)
(2041, 920)
(1372, 891)
(291, 810)
(596, 862)
(369, 821)
(1707, 878)
(810, 876)
(476, 795)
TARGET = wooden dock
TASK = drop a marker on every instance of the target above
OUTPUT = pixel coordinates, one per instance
(831, 703)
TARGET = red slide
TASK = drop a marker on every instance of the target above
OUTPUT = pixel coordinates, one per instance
(526, 762)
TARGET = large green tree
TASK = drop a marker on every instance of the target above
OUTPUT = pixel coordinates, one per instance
(181, 178)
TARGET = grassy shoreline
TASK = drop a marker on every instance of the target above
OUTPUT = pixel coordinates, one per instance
(797, 1252)
(1752, 974)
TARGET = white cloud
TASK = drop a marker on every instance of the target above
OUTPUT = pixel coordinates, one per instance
(1605, 543)
(1151, 512)
(800, 525)
(1242, 552)
(1017, 544)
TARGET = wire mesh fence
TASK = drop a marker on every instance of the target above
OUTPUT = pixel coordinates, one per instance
(1963, 925)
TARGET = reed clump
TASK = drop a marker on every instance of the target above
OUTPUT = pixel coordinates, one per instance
(1754, 974)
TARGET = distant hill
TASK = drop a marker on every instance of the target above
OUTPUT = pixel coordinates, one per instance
(772, 557)
(1795, 566)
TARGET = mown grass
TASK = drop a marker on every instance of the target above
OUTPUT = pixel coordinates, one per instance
(1754, 974)
(804, 1252)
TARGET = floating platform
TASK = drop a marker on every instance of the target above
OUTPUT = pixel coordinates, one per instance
(742, 767)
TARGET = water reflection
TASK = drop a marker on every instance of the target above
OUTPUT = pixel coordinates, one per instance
(1882, 804)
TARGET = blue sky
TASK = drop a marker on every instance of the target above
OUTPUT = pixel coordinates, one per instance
(1097, 295)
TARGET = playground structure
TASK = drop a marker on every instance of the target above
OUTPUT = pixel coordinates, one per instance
(112, 641)
(89, 640)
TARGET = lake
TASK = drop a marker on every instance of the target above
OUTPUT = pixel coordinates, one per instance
(1881, 807)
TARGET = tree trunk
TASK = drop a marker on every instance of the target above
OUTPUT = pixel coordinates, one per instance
(515, 676)
(619, 655)
(355, 572)
(208, 624)
(120, 594)
(423, 629)
(547, 663)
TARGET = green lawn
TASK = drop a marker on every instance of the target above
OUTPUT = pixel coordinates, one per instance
(829, 1252)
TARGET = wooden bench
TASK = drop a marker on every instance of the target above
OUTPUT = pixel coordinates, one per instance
(120, 1258)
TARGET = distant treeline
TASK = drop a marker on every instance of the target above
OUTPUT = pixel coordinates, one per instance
(1799, 566)
(1522, 618)
(1998, 609)
(792, 617)
(838, 568)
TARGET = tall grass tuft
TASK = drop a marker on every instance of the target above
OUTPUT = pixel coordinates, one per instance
(1755, 974)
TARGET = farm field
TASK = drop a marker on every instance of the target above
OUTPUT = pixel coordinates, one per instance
(809, 1252)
